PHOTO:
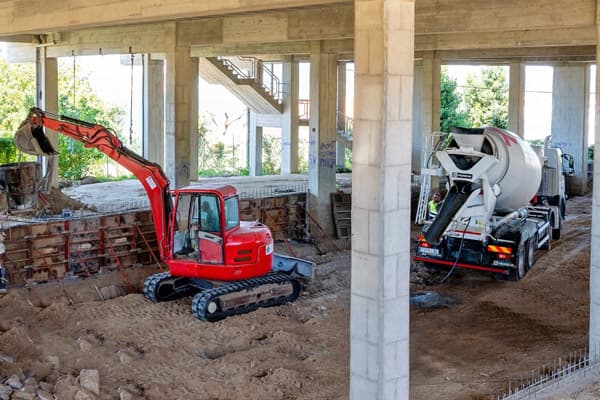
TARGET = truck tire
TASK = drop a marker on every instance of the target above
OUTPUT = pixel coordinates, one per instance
(531, 247)
(556, 231)
(521, 269)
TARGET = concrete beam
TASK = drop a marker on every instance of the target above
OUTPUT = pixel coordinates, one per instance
(39, 16)
(301, 47)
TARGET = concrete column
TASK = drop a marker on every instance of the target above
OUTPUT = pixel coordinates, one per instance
(379, 317)
(47, 99)
(290, 118)
(341, 113)
(194, 73)
(568, 120)
(154, 111)
(418, 134)
(322, 134)
(255, 144)
(177, 116)
(516, 99)
(594, 335)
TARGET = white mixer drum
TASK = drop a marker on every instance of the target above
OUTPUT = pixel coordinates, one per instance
(519, 171)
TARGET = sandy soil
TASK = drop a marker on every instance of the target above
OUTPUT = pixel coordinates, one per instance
(497, 331)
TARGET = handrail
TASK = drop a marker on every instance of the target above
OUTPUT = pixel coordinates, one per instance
(257, 73)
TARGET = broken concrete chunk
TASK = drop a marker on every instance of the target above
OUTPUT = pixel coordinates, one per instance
(53, 361)
(111, 292)
(44, 395)
(46, 387)
(14, 382)
(5, 392)
(89, 379)
(126, 356)
(6, 359)
(126, 394)
(83, 394)
(84, 344)
(23, 396)
(65, 388)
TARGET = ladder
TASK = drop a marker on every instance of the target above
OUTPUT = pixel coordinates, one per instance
(428, 169)
(422, 210)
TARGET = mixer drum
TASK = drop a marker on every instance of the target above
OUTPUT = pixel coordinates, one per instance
(519, 171)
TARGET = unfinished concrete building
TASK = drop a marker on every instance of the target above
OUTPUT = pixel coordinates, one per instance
(398, 47)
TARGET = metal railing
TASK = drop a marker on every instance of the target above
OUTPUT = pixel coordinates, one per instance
(261, 73)
(304, 109)
(570, 369)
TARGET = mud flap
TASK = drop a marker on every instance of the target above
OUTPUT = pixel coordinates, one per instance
(30, 139)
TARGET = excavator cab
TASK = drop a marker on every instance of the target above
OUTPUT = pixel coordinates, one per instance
(198, 228)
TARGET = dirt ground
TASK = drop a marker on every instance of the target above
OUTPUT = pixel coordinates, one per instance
(498, 331)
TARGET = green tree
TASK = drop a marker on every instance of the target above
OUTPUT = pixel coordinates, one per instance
(450, 102)
(486, 98)
(77, 100)
(17, 96)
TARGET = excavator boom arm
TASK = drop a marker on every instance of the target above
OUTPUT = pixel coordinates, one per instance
(150, 174)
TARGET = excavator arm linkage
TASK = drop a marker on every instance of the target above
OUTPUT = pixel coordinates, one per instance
(30, 139)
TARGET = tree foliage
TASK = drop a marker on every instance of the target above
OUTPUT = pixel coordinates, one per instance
(450, 102)
(17, 96)
(486, 98)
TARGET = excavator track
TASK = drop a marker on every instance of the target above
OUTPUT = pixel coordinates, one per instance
(241, 297)
(164, 287)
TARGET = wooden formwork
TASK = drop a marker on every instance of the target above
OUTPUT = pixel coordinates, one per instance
(40, 252)
(284, 215)
(52, 250)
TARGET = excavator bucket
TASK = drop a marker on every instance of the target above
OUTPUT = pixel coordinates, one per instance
(30, 139)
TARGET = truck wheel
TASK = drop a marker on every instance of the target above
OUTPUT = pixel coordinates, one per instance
(531, 247)
(556, 232)
(519, 272)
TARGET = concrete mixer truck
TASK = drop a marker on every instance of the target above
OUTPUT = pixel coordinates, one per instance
(495, 214)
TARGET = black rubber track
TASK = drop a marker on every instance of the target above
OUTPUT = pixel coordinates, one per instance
(203, 299)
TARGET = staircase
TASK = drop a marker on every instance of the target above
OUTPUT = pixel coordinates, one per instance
(248, 79)
(344, 130)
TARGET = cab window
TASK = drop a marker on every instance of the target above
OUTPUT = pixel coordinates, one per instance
(232, 213)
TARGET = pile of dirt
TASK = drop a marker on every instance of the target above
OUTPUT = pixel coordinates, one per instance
(56, 201)
(496, 331)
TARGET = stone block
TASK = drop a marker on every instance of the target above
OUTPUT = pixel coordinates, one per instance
(362, 389)
(65, 388)
(23, 396)
(44, 395)
(89, 379)
(5, 391)
(14, 382)
(83, 394)
(365, 275)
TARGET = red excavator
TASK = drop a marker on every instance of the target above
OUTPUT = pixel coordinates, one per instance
(227, 264)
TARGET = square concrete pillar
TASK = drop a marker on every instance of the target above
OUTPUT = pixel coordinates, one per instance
(255, 145)
(153, 131)
(177, 116)
(322, 134)
(516, 99)
(290, 118)
(594, 336)
(341, 114)
(47, 99)
(194, 74)
(569, 125)
(379, 316)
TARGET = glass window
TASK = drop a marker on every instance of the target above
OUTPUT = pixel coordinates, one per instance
(209, 214)
(232, 214)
